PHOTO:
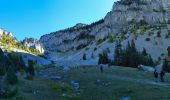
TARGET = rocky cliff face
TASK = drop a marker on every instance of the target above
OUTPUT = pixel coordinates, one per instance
(141, 20)
(33, 44)
(127, 12)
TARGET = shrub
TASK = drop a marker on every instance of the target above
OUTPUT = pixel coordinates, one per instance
(148, 39)
(166, 36)
(11, 77)
(95, 49)
(158, 34)
(8, 92)
(111, 39)
(123, 37)
(81, 46)
(30, 70)
(62, 87)
(99, 41)
(2, 71)
(150, 33)
(133, 30)
(144, 28)
(87, 48)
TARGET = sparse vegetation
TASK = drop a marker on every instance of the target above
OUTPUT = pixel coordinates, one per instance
(144, 28)
(81, 46)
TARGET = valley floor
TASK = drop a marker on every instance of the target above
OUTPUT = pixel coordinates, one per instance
(116, 83)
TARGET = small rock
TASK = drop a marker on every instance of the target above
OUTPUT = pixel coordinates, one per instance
(75, 85)
(66, 68)
(98, 82)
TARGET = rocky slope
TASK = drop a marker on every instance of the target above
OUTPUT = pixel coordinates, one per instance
(145, 21)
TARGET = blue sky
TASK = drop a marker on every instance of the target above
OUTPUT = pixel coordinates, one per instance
(34, 18)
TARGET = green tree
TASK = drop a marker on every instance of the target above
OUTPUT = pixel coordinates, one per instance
(118, 53)
(144, 53)
(30, 70)
(103, 58)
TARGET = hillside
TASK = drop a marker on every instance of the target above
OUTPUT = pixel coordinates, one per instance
(144, 21)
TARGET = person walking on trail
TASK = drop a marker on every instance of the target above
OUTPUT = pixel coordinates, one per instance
(101, 68)
(161, 69)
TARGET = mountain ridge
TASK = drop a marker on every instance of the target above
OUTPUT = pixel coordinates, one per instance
(126, 18)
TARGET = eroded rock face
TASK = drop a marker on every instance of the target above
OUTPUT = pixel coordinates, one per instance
(123, 14)
(33, 44)
(127, 12)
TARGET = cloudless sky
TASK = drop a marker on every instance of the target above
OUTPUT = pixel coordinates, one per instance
(34, 18)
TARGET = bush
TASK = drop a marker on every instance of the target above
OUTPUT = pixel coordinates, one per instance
(2, 71)
(99, 41)
(30, 70)
(148, 39)
(166, 36)
(111, 39)
(81, 46)
(158, 34)
(150, 33)
(11, 92)
(62, 87)
(11, 77)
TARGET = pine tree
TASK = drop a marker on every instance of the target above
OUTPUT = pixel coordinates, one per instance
(11, 77)
(133, 46)
(118, 53)
(30, 70)
(144, 53)
(103, 58)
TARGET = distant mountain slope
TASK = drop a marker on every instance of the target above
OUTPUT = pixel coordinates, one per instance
(30, 49)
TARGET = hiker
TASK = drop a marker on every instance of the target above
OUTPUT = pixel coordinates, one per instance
(101, 68)
(160, 70)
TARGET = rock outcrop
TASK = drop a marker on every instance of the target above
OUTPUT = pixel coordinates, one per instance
(4, 32)
(33, 44)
